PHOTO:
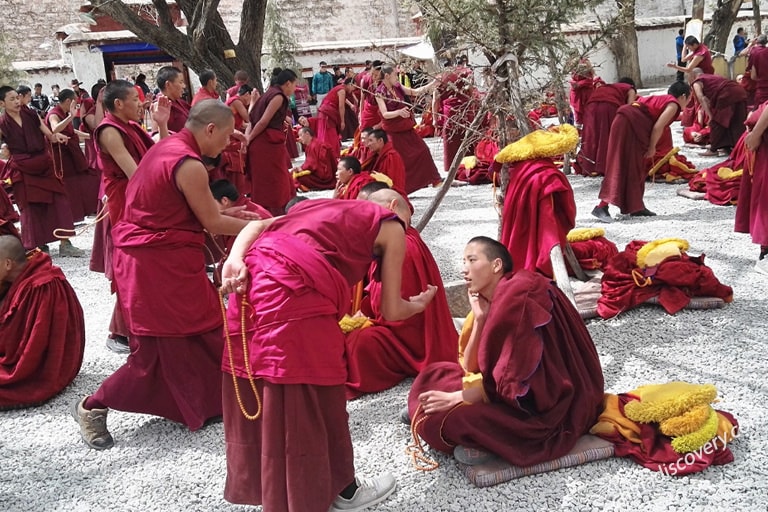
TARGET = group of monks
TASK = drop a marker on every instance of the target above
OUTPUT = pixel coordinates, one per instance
(320, 301)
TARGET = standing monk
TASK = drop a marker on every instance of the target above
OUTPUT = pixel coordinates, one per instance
(695, 55)
(121, 142)
(635, 132)
(296, 277)
(176, 341)
(170, 80)
(81, 181)
(370, 117)
(752, 208)
(725, 104)
(268, 159)
(455, 90)
(40, 194)
(332, 115)
(598, 115)
(757, 68)
(233, 157)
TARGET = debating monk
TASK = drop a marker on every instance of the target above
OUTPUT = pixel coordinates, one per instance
(293, 277)
(725, 104)
(39, 358)
(171, 308)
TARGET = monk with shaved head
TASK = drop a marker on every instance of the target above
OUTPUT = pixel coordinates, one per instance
(290, 280)
(38, 358)
(171, 308)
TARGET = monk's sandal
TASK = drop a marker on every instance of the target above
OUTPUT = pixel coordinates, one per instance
(93, 425)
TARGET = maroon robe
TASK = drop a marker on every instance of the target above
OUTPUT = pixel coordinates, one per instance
(719, 191)
(370, 114)
(329, 122)
(302, 268)
(176, 343)
(752, 210)
(321, 160)
(674, 281)
(728, 104)
(7, 213)
(38, 192)
(39, 358)
(539, 211)
(179, 114)
(541, 374)
(593, 254)
(420, 169)
(598, 116)
(268, 160)
(486, 169)
(352, 189)
(81, 181)
(582, 87)
(456, 93)
(758, 62)
(389, 162)
(625, 169)
(233, 159)
(381, 356)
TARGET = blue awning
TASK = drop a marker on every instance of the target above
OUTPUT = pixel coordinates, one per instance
(128, 48)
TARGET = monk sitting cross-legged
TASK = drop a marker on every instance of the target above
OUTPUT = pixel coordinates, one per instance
(39, 358)
(385, 159)
(541, 385)
(320, 163)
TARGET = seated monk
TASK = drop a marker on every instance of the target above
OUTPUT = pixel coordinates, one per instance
(382, 355)
(317, 171)
(385, 159)
(481, 167)
(539, 208)
(660, 269)
(38, 359)
(359, 148)
(722, 182)
(349, 178)
(8, 214)
(541, 385)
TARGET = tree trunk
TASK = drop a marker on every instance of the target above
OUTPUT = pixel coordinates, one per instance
(206, 44)
(624, 43)
(757, 17)
(697, 12)
(722, 21)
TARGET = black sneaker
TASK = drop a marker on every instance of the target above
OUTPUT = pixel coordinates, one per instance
(645, 212)
(602, 214)
(118, 344)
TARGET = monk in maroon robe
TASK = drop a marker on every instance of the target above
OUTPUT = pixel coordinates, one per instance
(294, 274)
(598, 115)
(385, 159)
(350, 178)
(39, 358)
(268, 160)
(635, 132)
(370, 117)
(752, 210)
(398, 122)
(172, 309)
(695, 55)
(457, 92)
(380, 356)
(725, 104)
(8, 215)
(539, 211)
(170, 81)
(486, 169)
(542, 385)
(722, 182)
(82, 182)
(39, 193)
(757, 67)
(233, 158)
(583, 84)
(320, 161)
(229, 199)
(331, 115)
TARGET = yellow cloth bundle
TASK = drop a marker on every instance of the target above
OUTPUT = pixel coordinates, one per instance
(687, 423)
(659, 402)
(584, 234)
(541, 144)
(352, 323)
(697, 439)
(382, 177)
(726, 173)
(469, 162)
(653, 253)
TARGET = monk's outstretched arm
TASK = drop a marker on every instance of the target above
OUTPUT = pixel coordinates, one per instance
(390, 244)
(391, 114)
(755, 136)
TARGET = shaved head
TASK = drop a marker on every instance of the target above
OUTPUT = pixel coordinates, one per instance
(11, 249)
(209, 112)
(391, 200)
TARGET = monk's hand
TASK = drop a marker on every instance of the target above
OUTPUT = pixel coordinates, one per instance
(650, 153)
(479, 305)
(404, 112)
(752, 142)
(422, 300)
(161, 110)
(234, 276)
(239, 212)
(671, 64)
(58, 138)
(436, 401)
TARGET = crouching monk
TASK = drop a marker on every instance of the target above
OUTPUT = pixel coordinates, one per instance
(541, 386)
(293, 285)
(38, 358)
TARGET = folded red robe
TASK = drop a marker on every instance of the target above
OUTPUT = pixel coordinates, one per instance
(39, 358)
(593, 254)
(674, 281)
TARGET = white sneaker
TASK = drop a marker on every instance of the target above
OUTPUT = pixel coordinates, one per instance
(762, 266)
(370, 491)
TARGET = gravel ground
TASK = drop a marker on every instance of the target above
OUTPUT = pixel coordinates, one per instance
(159, 465)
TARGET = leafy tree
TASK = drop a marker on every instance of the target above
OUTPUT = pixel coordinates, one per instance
(8, 74)
(279, 39)
(205, 42)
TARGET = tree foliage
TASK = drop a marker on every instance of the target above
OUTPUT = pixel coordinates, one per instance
(205, 42)
(8, 74)
(279, 39)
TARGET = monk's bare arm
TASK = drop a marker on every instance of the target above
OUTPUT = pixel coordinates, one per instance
(241, 111)
(59, 124)
(755, 135)
(112, 143)
(53, 137)
(387, 114)
(342, 105)
(192, 180)
(269, 113)
(699, 90)
(665, 119)
(390, 244)
(631, 96)
(234, 274)
(437, 401)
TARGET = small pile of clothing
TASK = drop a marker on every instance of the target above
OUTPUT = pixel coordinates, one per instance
(670, 428)
(591, 248)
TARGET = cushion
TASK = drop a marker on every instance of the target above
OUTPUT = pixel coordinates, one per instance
(690, 194)
(496, 471)
(697, 302)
